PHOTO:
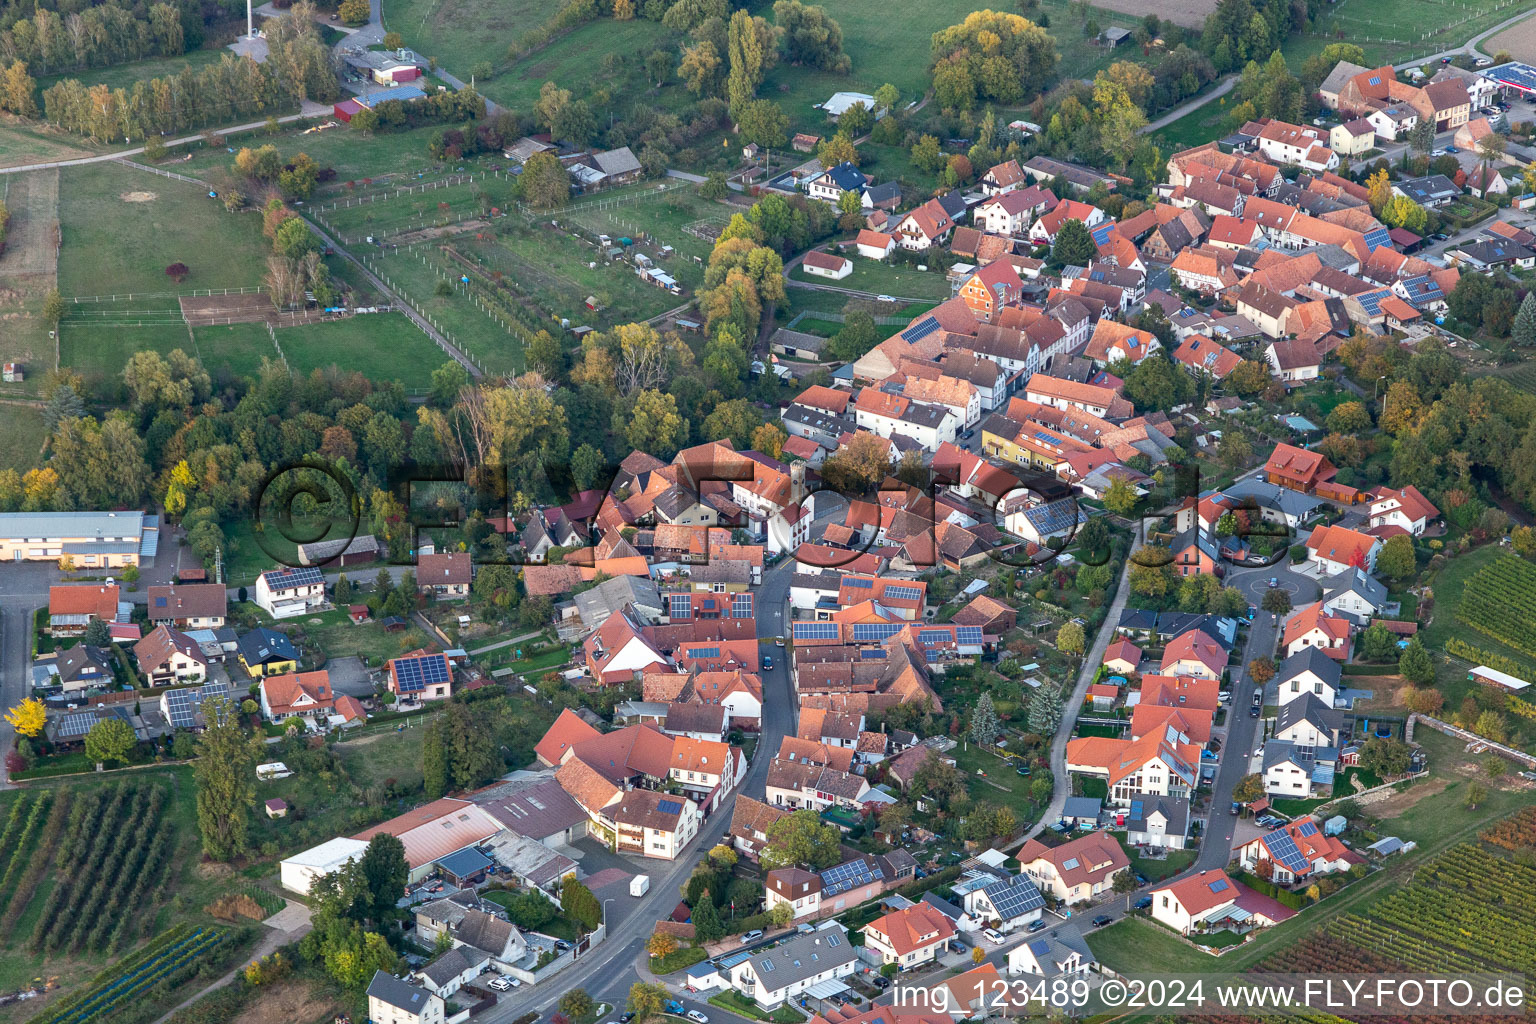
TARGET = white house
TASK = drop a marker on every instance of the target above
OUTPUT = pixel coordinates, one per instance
(1061, 953)
(875, 245)
(1195, 903)
(1297, 851)
(1354, 594)
(1287, 770)
(773, 978)
(1308, 722)
(1407, 508)
(1307, 671)
(911, 936)
(392, 1001)
(825, 264)
(287, 592)
(1161, 821)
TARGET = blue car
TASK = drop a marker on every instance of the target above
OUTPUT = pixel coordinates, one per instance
(767, 662)
(1144, 903)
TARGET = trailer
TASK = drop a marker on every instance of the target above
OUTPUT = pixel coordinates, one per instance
(640, 885)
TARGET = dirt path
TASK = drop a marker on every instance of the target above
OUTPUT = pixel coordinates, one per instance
(294, 917)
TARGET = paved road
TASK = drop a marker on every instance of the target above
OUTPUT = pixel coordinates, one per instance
(1073, 703)
(309, 110)
(1173, 115)
(607, 972)
(1470, 46)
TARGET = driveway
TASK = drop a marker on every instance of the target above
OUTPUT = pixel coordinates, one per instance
(348, 676)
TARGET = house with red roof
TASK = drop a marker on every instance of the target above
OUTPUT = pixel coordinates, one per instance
(926, 226)
(71, 608)
(874, 245)
(1076, 871)
(1407, 508)
(1298, 850)
(1194, 653)
(911, 936)
(1112, 342)
(991, 288)
(568, 730)
(1149, 764)
(1043, 231)
(1313, 627)
(1122, 657)
(1210, 901)
(1298, 468)
(1336, 549)
(296, 694)
(1199, 354)
(824, 264)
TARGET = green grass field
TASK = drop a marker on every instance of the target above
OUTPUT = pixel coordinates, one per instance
(236, 348)
(114, 245)
(663, 215)
(896, 49)
(398, 157)
(383, 346)
(100, 351)
(884, 279)
(1391, 31)
(24, 437)
(388, 217)
(466, 325)
(25, 143)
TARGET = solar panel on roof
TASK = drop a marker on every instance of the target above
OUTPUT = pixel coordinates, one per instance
(1070, 863)
(968, 634)
(903, 593)
(741, 606)
(679, 605)
(703, 652)
(1220, 885)
(933, 636)
(815, 630)
(874, 632)
(767, 964)
(858, 581)
(416, 674)
(1307, 828)
(1014, 897)
(920, 330)
(833, 939)
(1283, 848)
(669, 806)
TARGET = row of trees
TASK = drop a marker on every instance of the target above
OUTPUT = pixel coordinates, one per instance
(299, 66)
(94, 36)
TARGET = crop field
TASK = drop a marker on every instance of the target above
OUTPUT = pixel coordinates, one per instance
(25, 433)
(1467, 910)
(382, 346)
(1519, 40)
(1500, 602)
(121, 229)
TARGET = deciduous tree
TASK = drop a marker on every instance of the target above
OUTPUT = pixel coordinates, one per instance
(225, 766)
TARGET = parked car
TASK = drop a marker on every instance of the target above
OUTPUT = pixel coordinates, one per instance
(767, 662)
(778, 641)
(752, 936)
(1237, 808)
(884, 298)
(993, 935)
(673, 1006)
(562, 945)
(1144, 903)
(880, 981)
(625, 1018)
(1036, 926)
(1451, 151)
(1102, 920)
(697, 1017)
(498, 984)
(1253, 712)
(1258, 697)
